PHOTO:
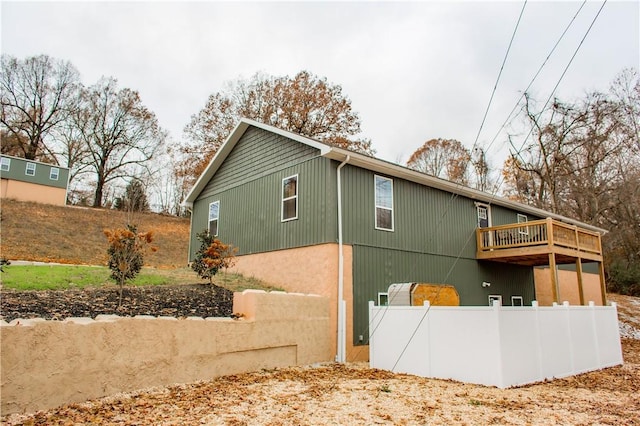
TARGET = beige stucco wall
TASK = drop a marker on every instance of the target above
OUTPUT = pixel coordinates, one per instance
(49, 363)
(25, 191)
(568, 287)
(311, 269)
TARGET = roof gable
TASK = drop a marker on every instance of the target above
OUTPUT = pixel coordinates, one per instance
(369, 163)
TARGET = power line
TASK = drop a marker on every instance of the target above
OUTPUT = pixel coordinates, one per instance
(535, 76)
(495, 86)
(564, 72)
(493, 195)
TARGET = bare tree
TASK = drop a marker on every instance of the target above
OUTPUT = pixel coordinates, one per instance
(119, 132)
(38, 94)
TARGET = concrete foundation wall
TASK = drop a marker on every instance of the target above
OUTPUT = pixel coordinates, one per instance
(25, 191)
(567, 287)
(50, 363)
(311, 269)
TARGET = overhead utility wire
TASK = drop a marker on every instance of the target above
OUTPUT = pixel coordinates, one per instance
(454, 196)
(495, 86)
(535, 76)
(518, 151)
(494, 193)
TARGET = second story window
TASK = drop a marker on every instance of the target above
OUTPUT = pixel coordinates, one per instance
(384, 203)
(5, 164)
(290, 198)
(54, 173)
(214, 215)
(31, 169)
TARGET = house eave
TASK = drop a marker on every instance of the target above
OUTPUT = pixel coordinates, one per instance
(395, 170)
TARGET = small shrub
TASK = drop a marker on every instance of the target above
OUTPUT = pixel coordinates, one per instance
(624, 278)
(4, 262)
(212, 256)
(126, 253)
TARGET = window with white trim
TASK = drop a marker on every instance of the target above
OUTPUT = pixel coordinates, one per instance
(31, 169)
(523, 230)
(54, 173)
(495, 298)
(384, 203)
(5, 164)
(214, 216)
(289, 209)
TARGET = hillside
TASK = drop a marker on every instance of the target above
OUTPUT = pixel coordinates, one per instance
(40, 232)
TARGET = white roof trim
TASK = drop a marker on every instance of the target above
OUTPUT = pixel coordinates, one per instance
(373, 164)
(230, 143)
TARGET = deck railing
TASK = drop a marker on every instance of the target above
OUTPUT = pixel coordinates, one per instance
(537, 233)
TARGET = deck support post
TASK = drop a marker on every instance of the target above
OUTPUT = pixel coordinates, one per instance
(579, 272)
(603, 289)
(554, 276)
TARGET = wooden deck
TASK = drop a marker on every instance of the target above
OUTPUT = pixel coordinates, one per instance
(532, 243)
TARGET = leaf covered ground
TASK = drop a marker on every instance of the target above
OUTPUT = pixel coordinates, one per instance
(355, 394)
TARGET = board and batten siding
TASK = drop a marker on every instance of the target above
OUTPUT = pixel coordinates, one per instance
(258, 153)
(376, 267)
(251, 201)
(433, 241)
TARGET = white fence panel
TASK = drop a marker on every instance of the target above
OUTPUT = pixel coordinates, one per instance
(496, 346)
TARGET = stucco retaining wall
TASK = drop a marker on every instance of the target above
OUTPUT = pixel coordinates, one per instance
(49, 363)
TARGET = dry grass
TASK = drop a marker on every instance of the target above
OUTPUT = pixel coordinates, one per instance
(74, 235)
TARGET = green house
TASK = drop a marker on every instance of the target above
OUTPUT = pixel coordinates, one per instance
(30, 180)
(313, 218)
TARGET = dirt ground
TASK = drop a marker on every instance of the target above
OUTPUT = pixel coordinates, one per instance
(353, 394)
(334, 394)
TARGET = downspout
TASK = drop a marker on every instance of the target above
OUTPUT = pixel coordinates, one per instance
(342, 321)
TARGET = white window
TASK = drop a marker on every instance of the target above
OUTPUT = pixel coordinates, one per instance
(516, 301)
(523, 230)
(31, 169)
(5, 164)
(54, 173)
(214, 216)
(384, 203)
(495, 298)
(289, 198)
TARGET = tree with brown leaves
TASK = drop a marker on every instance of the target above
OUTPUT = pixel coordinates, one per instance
(444, 158)
(305, 104)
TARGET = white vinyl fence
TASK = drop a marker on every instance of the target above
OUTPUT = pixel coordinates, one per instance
(494, 346)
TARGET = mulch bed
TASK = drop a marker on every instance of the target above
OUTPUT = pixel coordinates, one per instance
(186, 300)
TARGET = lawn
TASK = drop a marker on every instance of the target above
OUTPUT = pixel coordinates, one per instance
(63, 277)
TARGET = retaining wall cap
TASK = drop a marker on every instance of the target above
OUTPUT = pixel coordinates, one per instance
(279, 292)
(222, 319)
(3, 323)
(79, 320)
(168, 318)
(195, 318)
(249, 290)
(144, 317)
(27, 322)
(109, 318)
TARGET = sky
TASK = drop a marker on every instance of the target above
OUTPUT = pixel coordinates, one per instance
(412, 70)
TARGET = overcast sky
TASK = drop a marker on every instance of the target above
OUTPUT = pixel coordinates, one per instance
(413, 71)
